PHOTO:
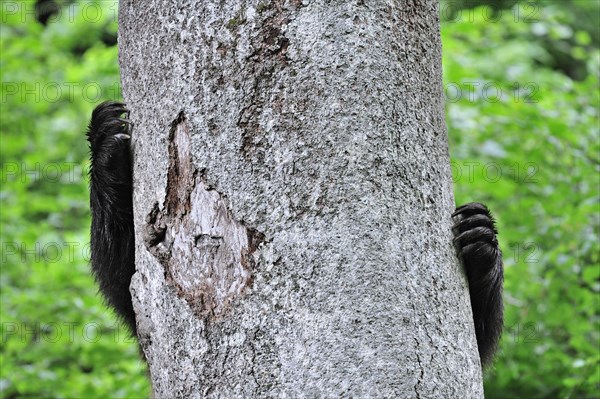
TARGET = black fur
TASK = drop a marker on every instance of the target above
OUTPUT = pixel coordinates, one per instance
(475, 239)
(113, 241)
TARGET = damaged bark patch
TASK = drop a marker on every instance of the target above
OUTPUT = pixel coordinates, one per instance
(181, 175)
(207, 254)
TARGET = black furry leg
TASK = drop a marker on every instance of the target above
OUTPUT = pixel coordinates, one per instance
(112, 242)
(477, 246)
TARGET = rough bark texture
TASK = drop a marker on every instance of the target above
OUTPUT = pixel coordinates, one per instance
(292, 201)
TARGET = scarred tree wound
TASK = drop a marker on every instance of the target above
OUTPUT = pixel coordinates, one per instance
(194, 219)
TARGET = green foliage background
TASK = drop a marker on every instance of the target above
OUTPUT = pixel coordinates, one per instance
(521, 83)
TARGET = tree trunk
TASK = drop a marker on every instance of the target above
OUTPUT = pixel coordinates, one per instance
(292, 201)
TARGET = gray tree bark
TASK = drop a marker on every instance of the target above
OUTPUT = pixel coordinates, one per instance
(292, 201)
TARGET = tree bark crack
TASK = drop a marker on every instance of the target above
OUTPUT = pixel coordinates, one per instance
(420, 378)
